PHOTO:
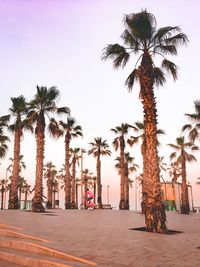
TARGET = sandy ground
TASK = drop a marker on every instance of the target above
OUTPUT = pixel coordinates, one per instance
(104, 236)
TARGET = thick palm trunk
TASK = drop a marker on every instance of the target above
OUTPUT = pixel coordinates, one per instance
(49, 193)
(126, 188)
(38, 197)
(25, 199)
(2, 196)
(185, 209)
(67, 174)
(94, 192)
(122, 175)
(76, 196)
(153, 207)
(13, 197)
(99, 189)
(73, 205)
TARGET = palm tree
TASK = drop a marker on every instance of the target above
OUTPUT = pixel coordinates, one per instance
(43, 104)
(194, 127)
(182, 156)
(86, 178)
(50, 173)
(120, 143)
(174, 170)
(18, 111)
(130, 167)
(99, 148)
(26, 190)
(75, 160)
(70, 130)
(3, 138)
(141, 36)
(2, 190)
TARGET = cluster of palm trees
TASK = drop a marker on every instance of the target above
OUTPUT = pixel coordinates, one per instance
(142, 37)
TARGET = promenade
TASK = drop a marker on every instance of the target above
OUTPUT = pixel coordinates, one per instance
(105, 237)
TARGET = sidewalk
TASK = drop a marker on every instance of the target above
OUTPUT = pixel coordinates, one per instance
(104, 236)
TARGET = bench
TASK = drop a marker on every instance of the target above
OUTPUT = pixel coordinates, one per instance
(105, 206)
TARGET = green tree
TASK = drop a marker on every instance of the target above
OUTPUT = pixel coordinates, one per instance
(75, 154)
(182, 156)
(18, 112)
(130, 167)
(50, 174)
(43, 105)
(142, 37)
(99, 148)
(71, 130)
(194, 127)
(120, 143)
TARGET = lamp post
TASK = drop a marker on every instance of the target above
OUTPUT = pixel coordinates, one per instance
(82, 151)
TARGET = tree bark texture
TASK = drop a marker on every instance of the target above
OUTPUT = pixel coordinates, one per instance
(153, 207)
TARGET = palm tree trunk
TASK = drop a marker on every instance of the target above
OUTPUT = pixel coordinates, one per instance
(153, 207)
(99, 189)
(13, 197)
(40, 139)
(126, 188)
(67, 175)
(94, 192)
(2, 196)
(76, 194)
(49, 193)
(122, 175)
(185, 209)
(73, 206)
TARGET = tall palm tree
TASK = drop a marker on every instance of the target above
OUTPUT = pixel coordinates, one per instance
(4, 139)
(2, 190)
(43, 104)
(120, 143)
(99, 148)
(71, 130)
(75, 154)
(86, 178)
(141, 36)
(174, 170)
(50, 173)
(18, 111)
(26, 190)
(182, 156)
(130, 167)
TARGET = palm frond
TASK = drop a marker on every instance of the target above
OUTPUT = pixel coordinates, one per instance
(118, 53)
(170, 67)
(134, 76)
(158, 76)
(166, 49)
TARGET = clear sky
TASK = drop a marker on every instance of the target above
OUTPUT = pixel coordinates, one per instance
(60, 42)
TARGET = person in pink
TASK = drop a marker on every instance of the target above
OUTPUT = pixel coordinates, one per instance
(90, 197)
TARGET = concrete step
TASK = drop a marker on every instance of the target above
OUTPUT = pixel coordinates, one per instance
(18, 249)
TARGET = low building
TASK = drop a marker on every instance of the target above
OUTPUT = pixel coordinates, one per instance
(172, 192)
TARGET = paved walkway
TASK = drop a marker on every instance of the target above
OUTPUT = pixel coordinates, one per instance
(104, 236)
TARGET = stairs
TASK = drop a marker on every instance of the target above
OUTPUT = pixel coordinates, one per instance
(21, 249)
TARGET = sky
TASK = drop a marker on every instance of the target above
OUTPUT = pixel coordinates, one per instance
(60, 43)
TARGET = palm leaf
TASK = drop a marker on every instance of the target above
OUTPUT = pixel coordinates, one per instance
(118, 53)
(134, 76)
(158, 76)
(170, 67)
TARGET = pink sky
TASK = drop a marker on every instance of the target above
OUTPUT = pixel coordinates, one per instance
(60, 43)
